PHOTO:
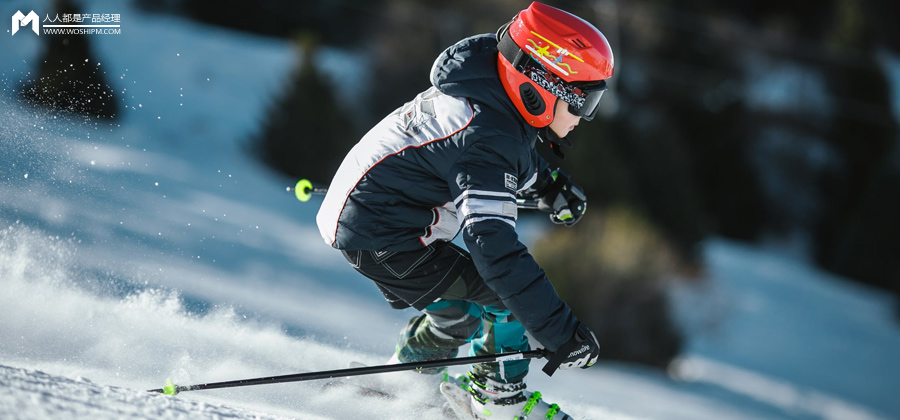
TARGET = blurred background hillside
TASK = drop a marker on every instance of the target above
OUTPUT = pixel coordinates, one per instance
(771, 122)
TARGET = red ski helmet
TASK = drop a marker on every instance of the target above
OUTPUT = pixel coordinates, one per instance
(547, 53)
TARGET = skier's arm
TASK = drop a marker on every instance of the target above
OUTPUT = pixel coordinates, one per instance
(487, 213)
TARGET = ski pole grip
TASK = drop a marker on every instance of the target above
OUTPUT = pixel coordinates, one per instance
(556, 358)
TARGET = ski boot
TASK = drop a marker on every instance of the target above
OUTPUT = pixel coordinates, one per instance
(496, 400)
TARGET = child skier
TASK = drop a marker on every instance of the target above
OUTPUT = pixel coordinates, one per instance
(453, 160)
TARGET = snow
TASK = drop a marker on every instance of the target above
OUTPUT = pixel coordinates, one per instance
(156, 248)
(51, 396)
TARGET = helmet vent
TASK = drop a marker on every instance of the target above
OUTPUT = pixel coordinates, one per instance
(579, 43)
(531, 99)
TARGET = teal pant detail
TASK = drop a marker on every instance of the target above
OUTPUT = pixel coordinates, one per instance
(452, 322)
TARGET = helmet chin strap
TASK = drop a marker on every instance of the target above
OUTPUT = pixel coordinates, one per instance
(555, 142)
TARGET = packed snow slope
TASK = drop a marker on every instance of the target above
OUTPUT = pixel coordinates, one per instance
(156, 248)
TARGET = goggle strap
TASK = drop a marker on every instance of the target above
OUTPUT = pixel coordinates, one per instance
(509, 49)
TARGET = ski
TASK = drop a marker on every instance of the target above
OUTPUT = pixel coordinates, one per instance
(361, 388)
(457, 400)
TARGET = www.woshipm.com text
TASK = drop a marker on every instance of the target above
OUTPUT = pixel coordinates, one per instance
(82, 31)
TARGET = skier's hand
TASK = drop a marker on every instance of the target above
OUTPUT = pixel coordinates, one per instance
(565, 199)
(582, 350)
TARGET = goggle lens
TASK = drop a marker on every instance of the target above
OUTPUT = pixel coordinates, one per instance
(591, 95)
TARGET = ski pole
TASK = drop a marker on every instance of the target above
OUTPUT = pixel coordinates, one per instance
(172, 389)
(304, 189)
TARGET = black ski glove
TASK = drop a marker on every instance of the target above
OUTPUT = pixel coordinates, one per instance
(565, 199)
(582, 350)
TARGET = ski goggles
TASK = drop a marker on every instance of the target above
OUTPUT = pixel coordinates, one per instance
(583, 97)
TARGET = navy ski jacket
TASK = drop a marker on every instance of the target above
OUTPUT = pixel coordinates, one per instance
(452, 160)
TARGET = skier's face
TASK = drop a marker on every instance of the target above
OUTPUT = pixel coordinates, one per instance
(563, 120)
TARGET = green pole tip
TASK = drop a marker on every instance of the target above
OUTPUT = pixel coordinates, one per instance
(170, 388)
(302, 189)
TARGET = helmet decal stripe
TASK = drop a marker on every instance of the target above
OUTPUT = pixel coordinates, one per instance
(546, 60)
(558, 48)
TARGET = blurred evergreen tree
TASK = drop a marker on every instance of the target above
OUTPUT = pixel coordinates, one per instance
(306, 133)
(856, 238)
(69, 77)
